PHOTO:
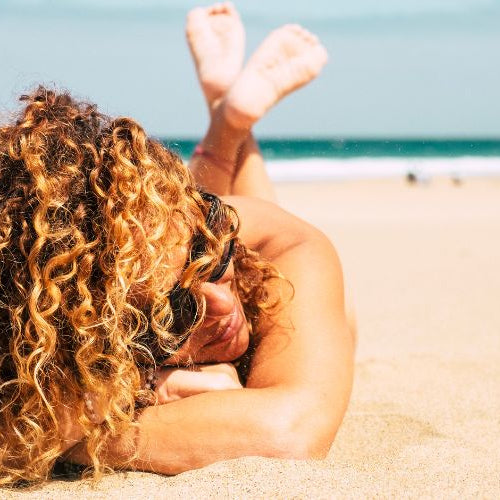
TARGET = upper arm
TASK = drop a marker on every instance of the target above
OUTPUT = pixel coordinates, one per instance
(266, 227)
(306, 347)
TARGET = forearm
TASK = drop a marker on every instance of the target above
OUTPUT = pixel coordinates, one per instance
(202, 429)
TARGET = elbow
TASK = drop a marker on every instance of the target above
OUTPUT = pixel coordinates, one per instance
(305, 446)
(301, 438)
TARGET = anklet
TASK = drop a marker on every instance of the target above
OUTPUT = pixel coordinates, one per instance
(225, 165)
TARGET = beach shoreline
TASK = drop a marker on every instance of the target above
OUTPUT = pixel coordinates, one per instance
(365, 168)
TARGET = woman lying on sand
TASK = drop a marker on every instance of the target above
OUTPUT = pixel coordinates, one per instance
(129, 294)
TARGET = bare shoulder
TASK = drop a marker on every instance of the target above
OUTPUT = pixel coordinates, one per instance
(266, 226)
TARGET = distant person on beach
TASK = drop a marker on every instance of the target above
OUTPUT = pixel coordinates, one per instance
(155, 317)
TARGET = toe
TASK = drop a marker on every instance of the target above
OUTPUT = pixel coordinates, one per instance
(304, 34)
(219, 7)
(212, 9)
(195, 15)
(230, 8)
(300, 31)
(296, 28)
(317, 58)
(308, 36)
(323, 54)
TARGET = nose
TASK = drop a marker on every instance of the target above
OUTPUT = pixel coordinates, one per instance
(219, 299)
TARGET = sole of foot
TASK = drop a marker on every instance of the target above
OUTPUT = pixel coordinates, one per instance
(216, 38)
(289, 58)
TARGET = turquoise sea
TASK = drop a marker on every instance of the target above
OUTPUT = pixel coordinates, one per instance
(306, 159)
(293, 148)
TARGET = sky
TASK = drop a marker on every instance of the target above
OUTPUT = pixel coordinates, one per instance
(398, 68)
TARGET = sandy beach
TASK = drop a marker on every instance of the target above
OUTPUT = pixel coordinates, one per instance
(423, 264)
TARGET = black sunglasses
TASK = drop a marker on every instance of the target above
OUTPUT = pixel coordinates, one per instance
(182, 300)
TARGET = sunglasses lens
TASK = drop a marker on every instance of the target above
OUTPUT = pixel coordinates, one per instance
(221, 268)
(182, 300)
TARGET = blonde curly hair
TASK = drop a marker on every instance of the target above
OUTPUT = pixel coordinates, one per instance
(92, 216)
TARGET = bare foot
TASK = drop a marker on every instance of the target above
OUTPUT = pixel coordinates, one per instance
(288, 58)
(216, 38)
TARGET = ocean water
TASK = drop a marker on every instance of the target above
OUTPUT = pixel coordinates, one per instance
(297, 160)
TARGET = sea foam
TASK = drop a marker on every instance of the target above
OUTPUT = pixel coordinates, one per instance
(315, 169)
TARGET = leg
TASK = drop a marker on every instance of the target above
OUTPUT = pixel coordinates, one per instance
(289, 58)
(241, 169)
(216, 39)
(215, 164)
(251, 177)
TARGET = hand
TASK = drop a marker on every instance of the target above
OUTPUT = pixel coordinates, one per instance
(179, 383)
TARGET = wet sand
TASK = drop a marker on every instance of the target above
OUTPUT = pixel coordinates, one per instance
(423, 262)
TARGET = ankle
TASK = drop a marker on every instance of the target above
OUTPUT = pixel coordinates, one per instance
(235, 122)
(213, 105)
(238, 119)
(206, 155)
(222, 139)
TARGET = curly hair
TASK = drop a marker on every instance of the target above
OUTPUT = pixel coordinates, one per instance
(92, 216)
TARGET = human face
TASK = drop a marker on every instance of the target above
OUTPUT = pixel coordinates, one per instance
(181, 299)
(224, 332)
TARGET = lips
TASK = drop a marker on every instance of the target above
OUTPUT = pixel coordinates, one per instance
(230, 330)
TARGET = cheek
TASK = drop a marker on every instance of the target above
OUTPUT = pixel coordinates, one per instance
(196, 349)
(227, 352)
